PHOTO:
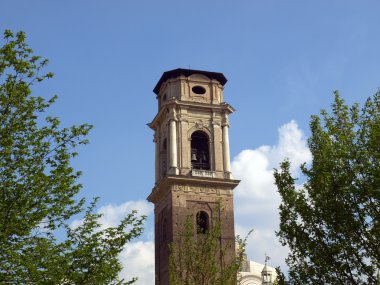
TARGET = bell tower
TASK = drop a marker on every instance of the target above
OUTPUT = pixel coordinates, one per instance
(192, 159)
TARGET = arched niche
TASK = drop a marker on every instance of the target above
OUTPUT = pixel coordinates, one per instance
(202, 222)
(164, 229)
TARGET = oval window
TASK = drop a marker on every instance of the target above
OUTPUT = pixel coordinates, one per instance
(198, 90)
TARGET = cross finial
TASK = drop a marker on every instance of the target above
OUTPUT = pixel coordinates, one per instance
(266, 258)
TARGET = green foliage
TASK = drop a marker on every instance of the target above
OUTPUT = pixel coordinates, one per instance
(332, 224)
(201, 259)
(38, 187)
(280, 279)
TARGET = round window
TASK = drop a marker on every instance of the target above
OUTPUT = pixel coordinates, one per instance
(198, 90)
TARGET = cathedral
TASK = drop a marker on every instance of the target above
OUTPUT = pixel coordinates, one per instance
(192, 165)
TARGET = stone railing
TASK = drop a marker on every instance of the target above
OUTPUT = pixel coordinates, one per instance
(202, 173)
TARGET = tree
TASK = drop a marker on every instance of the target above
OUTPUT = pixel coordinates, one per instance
(198, 258)
(332, 222)
(38, 187)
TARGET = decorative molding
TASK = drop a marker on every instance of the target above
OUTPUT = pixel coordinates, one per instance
(199, 126)
(198, 189)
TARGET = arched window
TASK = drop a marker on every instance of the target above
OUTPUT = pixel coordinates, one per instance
(203, 222)
(200, 158)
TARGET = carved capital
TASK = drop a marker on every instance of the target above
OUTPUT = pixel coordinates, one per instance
(173, 115)
(225, 120)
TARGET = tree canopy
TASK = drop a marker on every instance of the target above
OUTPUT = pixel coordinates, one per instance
(38, 187)
(331, 223)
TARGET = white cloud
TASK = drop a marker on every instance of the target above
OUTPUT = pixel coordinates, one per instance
(256, 198)
(138, 261)
(112, 214)
(137, 257)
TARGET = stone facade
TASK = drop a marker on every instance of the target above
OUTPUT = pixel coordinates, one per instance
(192, 165)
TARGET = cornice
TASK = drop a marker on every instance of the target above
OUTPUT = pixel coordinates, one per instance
(166, 183)
(191, 105)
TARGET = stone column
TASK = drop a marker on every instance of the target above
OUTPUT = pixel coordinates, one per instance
(157, 156)
(218, 148)
(211, 152)
(185, 147)
(173, 145)
(226, 149)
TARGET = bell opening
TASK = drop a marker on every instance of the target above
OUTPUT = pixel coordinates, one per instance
(200, 157)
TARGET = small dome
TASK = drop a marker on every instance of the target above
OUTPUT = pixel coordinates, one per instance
(188, 72)
(266, 270)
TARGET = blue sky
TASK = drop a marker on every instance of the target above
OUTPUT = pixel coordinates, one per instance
(282, 59)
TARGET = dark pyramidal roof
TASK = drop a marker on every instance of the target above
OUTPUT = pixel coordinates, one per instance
(187, 72)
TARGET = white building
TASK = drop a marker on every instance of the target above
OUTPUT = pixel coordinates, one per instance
(254, 273)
